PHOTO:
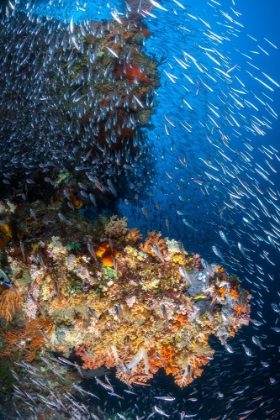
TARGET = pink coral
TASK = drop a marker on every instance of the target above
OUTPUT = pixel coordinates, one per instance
(31, 302)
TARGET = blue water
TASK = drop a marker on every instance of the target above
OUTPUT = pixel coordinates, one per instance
(64, 9)
(173, 32)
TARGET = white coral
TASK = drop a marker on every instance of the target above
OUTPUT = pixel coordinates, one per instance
(173, 246)
(140, 355)
(36, 272)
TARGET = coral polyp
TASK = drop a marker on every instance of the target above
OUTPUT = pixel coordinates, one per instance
(126, 308)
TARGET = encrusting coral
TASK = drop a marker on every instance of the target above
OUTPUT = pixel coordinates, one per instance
(138, 314)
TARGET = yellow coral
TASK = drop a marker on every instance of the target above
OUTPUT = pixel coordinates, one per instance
(45, 288)
(131, 251)
(178, 259)
(150, 284)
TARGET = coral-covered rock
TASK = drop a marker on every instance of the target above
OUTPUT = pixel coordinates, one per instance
(122, 307)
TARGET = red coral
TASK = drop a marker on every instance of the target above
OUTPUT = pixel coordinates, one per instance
(197, 262)
(130, 72)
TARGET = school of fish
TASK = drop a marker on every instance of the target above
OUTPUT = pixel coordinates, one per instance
(199, 169)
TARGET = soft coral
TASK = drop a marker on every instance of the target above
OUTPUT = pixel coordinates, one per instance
(131, 72)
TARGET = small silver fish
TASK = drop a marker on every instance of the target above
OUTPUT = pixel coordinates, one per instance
(164, 313)
(207, 267)
(265, 364)
(241, 249)
(64, 220)
(92, 199)
(111, 187)
(218, 253)
(167, 398)
(145, 212)
(185, 275)
(159, 411)
(32, 214)
(224, 238)
(257, 342)
(159, 254)
(92, 252)
(229, 348)
(21, 244)
(247, 350)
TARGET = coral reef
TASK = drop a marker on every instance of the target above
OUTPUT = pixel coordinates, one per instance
(114, 302)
